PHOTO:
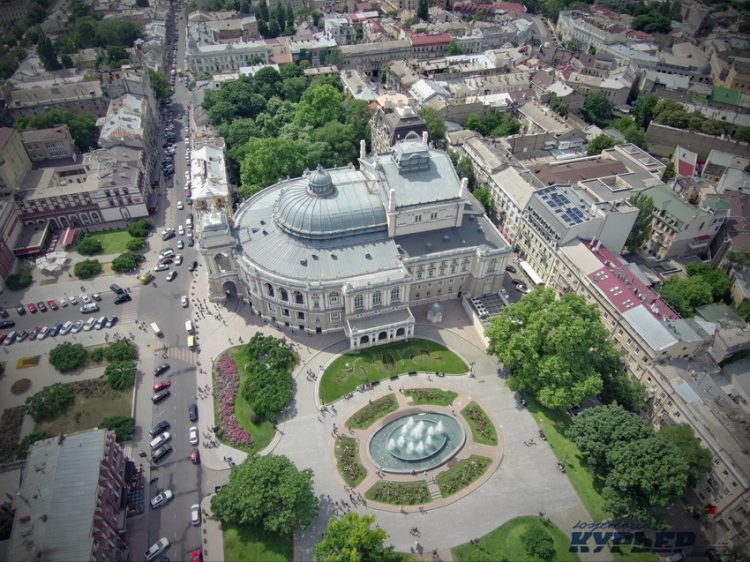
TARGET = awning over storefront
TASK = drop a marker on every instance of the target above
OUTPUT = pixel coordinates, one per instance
(531, 273)
(68, 236)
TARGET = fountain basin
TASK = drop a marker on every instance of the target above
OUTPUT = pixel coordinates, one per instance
(416, 442)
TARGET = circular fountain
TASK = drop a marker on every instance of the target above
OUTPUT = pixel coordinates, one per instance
(416, 442)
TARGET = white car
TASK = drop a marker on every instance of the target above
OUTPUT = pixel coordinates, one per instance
(89, 325)
(42, 333)
(195, 514)
(77, 327)
(181, 230)
(156, 549)
(85, 298)
(180, 244)
(193, 435)
(73, 300)
(180, 206)
(62, 302)
(161, 498)
(184, 301)
(171, 275)
(178, 259)
(160, 439)
(66, 328)
(162, 267)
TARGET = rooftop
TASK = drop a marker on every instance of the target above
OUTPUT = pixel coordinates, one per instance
(51, 134)
(669, 202)
(573, 172)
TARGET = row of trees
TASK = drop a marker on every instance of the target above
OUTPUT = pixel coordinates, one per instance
(642, 471)
(277, 21)
(276, 124)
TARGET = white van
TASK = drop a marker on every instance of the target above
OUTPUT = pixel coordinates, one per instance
(155, 328)
(189, 327)
(91, 307)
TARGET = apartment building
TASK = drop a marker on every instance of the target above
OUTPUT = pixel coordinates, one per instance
(678, 228)
(71, 505)
(390, 125)
(82, 97)
(14, 161)
(130, 122)
(340, 28)
(48, 144)
(208, 177)
(10, 231)
(106, 185)
(587, 29)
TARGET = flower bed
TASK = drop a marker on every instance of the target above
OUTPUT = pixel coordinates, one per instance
(10, 432)
(227, 384)
(375, 410)
(431, 396)
(347, 458)
(462, 474)
(399, 493)
(482, 429)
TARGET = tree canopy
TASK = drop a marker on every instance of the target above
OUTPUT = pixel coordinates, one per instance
(601, 142)
(435, 124)
(597, 109)
(698, 458)
(556, 349)
(160, 84)
(704, 285)
(268, 384)
(351, 538)
(82, 125)
(127, 261)
(67, 356)
(641, 230)
(494, 124)
(269, 492)
(674, 114)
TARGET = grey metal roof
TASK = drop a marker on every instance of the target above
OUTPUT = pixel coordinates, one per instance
(655, 334)
(385, 319)
(61, 483)
(436, 181)
(331, 204)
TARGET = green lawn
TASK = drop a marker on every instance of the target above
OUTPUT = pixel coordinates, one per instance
(243, 542)
(113, 242)
(504, 543)
(87, 412)
(261, 433)
(385, 361)
(431, 396)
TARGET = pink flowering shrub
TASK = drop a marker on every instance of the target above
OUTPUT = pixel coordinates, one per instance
(227, 383)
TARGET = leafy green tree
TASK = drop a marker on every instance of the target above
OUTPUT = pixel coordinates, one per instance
(631, 131)
(121, 350)
(289, 16)
(684, 295)
(351, 538)
(625, 391)
(465, 169)
(557, 349)
(435, 123)
(268, 383)
(423, 10)
(127, 262)
(22, 450)
(47, 54)
(18, 281)
(320, 104)
(123, 426)
(268, 492)
(67, 356)
(558, 105)
(484, 196)
(538, 542)
(641, 230)
(643, 110)
(698, 458)
(601, 142)
(50, 402)
(87, 269)
(121, 374)
(267, 160)
(743, 134)
(453, 48)
(141, 3)
(89, 246)
(597, 109)
(160, 85)
(82, 125)
(718, 280)
(597, 431)
(84, 32)
(139, 228)
(293, 88)
(653, 22)
(136, 244)
(117, 32)
(644, 475)
(669, 172)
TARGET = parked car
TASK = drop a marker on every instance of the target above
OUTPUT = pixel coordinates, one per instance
(73, 300)
(181, 230)
(161, 395)
(178, 259)
(161, 498)
(7, 324)
(191, 242)
(62, 301)
(160, 453)
(161, 385)
(66, 328)
(171, 275)
(77, 326)
(184, 301)
(96, 296)
(54, 330)
(10, 338)
(180, 244)
(3, 313)
(85, 299)
(32, 307)
(100, 322)
(193, 412)
(161, 267)
(52, 305)
(195, 514)
(195, 457)
(193, 435)
(157, 548)
(2, 337)
(161, 369)
(22, 335)
(180, 206)
(43, 333)
(115, 288)
(89, 308)
(89, 325)
(41, 306)
(33, 333)
(21, 310)
(111, 321)
(160, 427)
(119, 299)
(511, 269)
(160, 440)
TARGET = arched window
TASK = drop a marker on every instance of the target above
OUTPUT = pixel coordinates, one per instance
(283, 294)
(269, 290)
(298, 298)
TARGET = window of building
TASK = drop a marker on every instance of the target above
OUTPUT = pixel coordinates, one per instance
(316, 303)
(335, 316)
(418, 218)
(283, 294)
(300, 315)
(333, 298)
(433, 216)
(395, 294)
(269, 290)
(285, 312)
(359, 302)
(377, 298)
(298, 297)
(271, 308)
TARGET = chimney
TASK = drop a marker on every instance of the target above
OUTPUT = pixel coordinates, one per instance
(464, 187)
(424, 138)
(362, 149)
(391, 200)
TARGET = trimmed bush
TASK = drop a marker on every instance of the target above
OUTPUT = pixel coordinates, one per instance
(123, 426)
(121, 374)
(268, 385)
(89, 246)
(67, 356)
(136, 244)
(50, 402)
(18, 281)
(127, 262)
(87, 269)
(139, 228)
(375, 410)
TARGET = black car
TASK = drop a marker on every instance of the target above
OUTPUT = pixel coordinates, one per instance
(41, 306)
(160, 427)
(191, 242)
(161, 369)
(22, 335)
(119, 299)
(193, 412)
(116, 289)
(54, 330)
(193, 266)
(160, 453)
(3, 313)
(161, 395)
(21, 310)
(168, 235)
(510, 268)
(7, 324)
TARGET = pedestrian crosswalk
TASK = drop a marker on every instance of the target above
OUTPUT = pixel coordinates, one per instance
(178, 354)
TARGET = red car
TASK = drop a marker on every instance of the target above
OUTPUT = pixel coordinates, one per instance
(52, 305)
(195, 457)
(196, 555)
(31, 307)
(162, 385)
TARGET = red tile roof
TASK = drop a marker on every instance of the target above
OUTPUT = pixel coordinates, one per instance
(622, 288)
(421, 40)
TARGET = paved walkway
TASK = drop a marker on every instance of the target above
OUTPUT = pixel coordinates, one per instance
(527, 481)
